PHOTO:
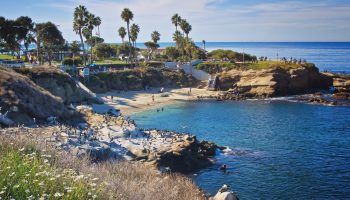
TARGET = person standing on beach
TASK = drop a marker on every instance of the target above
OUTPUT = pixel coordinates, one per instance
(153, 97)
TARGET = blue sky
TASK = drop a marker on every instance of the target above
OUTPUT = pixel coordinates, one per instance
(212, 20)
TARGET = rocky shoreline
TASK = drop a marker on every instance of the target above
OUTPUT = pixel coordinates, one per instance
(105, 137)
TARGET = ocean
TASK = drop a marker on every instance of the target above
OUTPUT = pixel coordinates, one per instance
(277, 149)
(330, 56)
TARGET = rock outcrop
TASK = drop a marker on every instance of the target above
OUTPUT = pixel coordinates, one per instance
(59, 84)
(273, 82)
(225, 194)
(24, 100)
(138, 79)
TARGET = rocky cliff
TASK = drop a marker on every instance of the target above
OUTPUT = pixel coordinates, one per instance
(273, 82)
(59, 84)
(24, 100)
(138, 79)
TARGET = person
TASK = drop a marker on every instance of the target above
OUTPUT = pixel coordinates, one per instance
(162, 109)
(161, 90)
(112, 97)
(153, 97)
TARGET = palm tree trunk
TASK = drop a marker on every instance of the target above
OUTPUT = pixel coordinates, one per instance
(127, 24)
(82, 44)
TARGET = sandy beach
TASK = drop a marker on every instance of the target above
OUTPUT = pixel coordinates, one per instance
(130, 102)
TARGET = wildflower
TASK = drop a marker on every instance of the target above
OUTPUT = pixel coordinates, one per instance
(12, 174)
(57, 176)
(21, 149)
(94, 179)
(93, 184)
(94, 196)
(2, 192)
(69, 191)
(27, 175)
(41, 184)
(89, 194)
(57, 194)
(52, 179)
(46, 161)
(79, 177)
(16, 186)
(30, 197)
(8, 167)
(27, 191)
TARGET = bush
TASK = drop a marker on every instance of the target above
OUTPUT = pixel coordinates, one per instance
(215, 67)
(26, 174)
(221, 54)
(69, 61)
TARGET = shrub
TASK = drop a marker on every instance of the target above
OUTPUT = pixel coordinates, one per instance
(28, 174)
(215, 67)
(69, 61)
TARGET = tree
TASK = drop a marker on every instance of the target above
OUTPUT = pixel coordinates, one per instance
(203, 41)
(155, 36)
(185, 27)
(176, 19)
(122, 33)
(151, 47)
(127, 16)
(24, 27)
(134, 32)
(51, 38)
(172, 53)
(79, 23)
(104, 50)
(74, 48)
(92, 22)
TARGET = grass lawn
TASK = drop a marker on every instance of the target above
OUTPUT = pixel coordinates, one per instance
(101, 62)
(4, 56)
(271, 64)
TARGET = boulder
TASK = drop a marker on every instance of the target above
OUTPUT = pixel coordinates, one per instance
(225, 194)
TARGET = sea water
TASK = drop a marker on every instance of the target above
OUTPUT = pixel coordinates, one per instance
(277, 149)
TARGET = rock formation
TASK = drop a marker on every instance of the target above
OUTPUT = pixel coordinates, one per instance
(273, 82)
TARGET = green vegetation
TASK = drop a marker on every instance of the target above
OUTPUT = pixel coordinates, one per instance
(6, 57)
(30, 174)
(276, 64)
(70, 62)
(110, 61)
(230, 55)
(215, 67)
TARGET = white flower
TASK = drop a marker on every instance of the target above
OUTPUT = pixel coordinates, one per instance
(41, 184)
(94, 196)
(21, 149)
(93, 184)
(89, 194)
(57, 194)
(16, 186)
(95, 179)
(2, 192)
(52, 179)
(12, 174)
(27, 191)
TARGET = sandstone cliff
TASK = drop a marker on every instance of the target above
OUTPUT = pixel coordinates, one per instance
(273, 82)
(23, 100)
(58, 83)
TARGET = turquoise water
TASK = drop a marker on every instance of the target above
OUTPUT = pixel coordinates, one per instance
(280, 150)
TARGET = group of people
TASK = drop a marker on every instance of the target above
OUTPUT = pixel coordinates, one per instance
(294, 60)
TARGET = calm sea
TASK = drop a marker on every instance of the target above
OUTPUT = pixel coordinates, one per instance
(279, 150)
(332, 56)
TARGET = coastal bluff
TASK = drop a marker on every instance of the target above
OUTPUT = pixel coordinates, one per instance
(273, 82)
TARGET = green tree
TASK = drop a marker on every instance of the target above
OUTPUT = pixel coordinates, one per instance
(74, 47)
(25, 27)
(127, 16)
(185, 27)
(92, 22)
(172, 53)
(51, 39)
(204, 42)
(79, 23)
(134, 32)
(104, 50)
(155, 36)
(151, 47)
(122, 33)
(176, 19)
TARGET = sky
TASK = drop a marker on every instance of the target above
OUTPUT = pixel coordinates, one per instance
(211, 20)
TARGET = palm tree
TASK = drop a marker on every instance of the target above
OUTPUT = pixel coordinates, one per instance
(177, 36)
(203, 41)
(155, 36)
(127, 16)
(98, 22)
(186, 27)
(92, 22)
(122, 33)
(134, 32)
(176, 19)
(79, 23)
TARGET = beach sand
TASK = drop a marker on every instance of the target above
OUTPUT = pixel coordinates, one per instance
(131, 102)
